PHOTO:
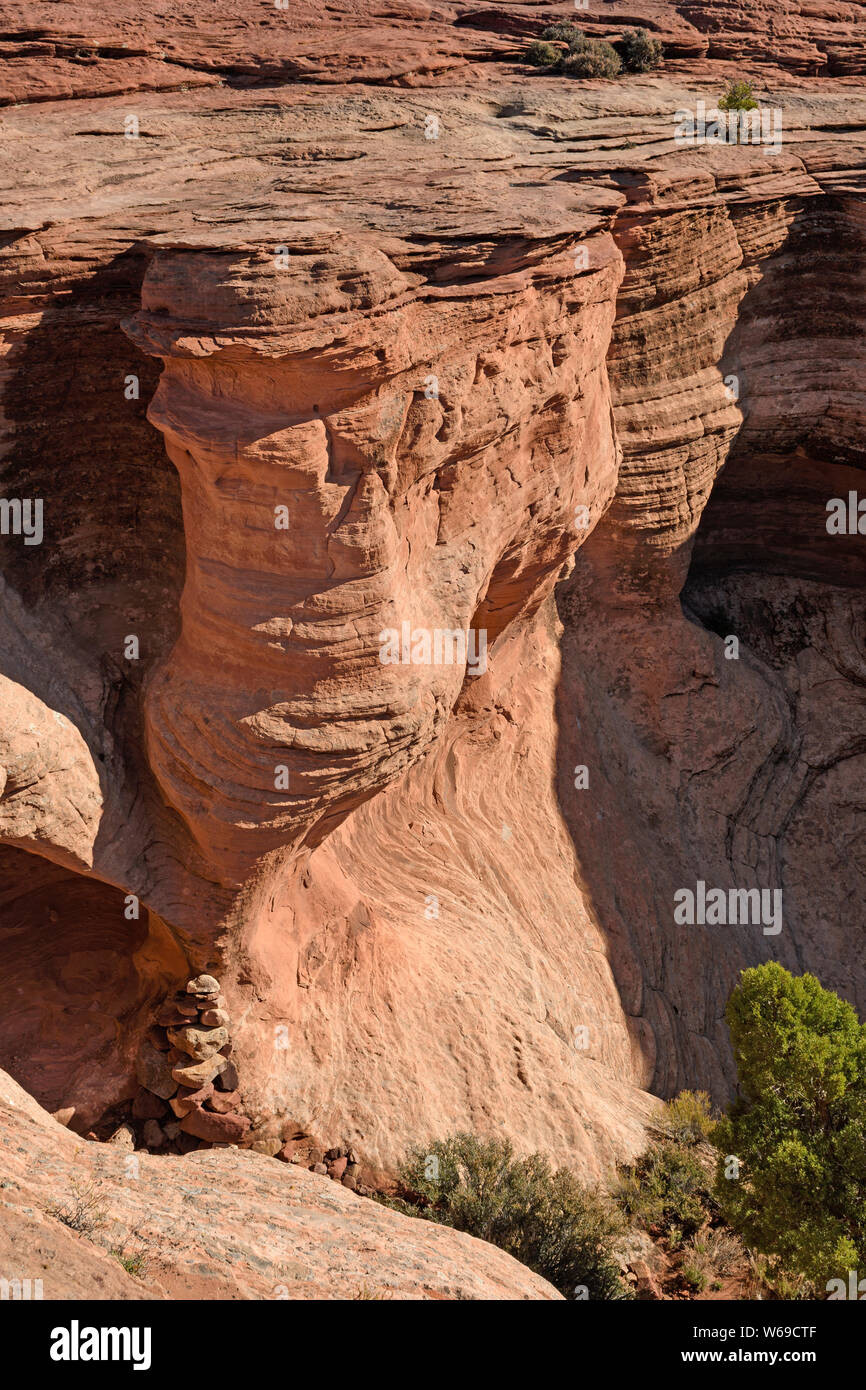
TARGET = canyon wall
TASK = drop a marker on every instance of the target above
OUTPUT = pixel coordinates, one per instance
(293, 367)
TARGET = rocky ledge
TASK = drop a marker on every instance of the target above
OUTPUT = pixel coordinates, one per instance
(93, 1222)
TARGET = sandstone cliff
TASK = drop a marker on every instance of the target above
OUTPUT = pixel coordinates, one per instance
(461, 323)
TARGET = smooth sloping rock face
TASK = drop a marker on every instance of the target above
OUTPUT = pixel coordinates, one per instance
(49, 789)
(456, 334)
(221, 1224)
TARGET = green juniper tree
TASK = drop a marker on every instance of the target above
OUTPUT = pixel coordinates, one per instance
(798, 1129)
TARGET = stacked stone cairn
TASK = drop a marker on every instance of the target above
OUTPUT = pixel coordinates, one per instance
(188, 1085)
(188, 1095)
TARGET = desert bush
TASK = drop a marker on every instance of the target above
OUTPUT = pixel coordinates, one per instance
(640, 52)
(83, 1211)
(542, 55)
(545, 1218)
(562, 33)
(134, 1260)
(666, 1189)
(766, 1281)
(738, 97)
(798, 1130)
(709, 1256)
(694, 1276)
(592, 58)
(687, 1119)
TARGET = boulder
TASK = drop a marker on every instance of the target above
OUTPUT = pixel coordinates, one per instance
(215, 1129)
(266, 1225)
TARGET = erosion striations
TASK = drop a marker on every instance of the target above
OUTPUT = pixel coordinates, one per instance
(296, 366)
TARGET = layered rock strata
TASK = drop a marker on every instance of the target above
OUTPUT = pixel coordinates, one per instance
(447, 364)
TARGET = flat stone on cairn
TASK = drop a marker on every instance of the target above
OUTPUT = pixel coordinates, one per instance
(215, 1129)
(203, 984)
(215, 1018)
(228, 1077)
(199, 1043)
(187, 1100)
(223, 1101)
(170, 1016)
(198, 1074)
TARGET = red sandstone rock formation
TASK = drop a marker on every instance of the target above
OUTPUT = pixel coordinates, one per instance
(91, 51)
(218, 1225)
(420, 922)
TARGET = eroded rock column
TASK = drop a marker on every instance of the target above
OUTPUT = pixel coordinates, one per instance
(359, 449)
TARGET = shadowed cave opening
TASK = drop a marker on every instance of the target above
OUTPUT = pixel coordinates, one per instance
(77, 981)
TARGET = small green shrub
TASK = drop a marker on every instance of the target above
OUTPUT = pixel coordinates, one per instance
(767, 1280)
(135, 1261)
(592, 58)
(542, 55)
(675, 1236)
(640, 52)
(546, 1219)
(711, 1255)
(738, 97)
(694, 1277)
(687, 1119)
(666, 1188)
(562, 33)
